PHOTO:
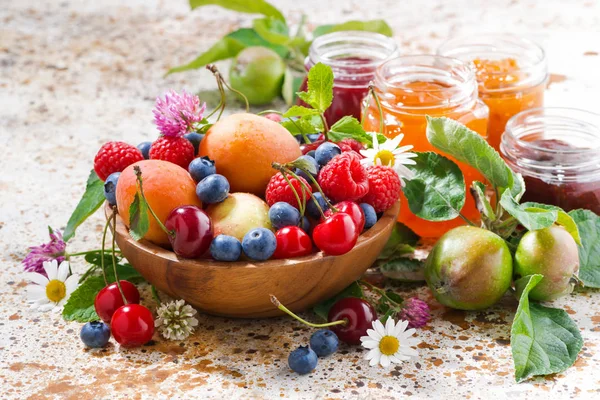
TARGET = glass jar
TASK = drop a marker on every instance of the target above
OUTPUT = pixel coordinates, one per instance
(412, 87)
(353, 56)
(512, 73)
(557, 150)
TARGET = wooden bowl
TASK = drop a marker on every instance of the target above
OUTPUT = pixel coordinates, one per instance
(241, 289)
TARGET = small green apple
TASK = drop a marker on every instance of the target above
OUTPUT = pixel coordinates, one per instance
(258, 73)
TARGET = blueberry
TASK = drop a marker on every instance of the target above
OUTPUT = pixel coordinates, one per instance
(195, 138)
(324, 342)
(313, 137)
(302, 360)
(110, 187)
(202, 167)
(259, 244)
(282, 214)
(306, 226)
(311, 161)
(311, 153)
(312, 209)
(326, 152)
(225, 248)
(370, 215)
(95, 334)
(212, 189)
(144, 147)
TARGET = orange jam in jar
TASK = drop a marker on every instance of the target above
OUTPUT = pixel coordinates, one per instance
(412, 87)
(512, 74)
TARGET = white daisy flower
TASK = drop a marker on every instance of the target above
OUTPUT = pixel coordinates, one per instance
(389, 344)
(51, 292)
(176, 320)
(389, 154)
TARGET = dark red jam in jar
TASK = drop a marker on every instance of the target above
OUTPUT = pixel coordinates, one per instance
(353, 56)
(557, 150)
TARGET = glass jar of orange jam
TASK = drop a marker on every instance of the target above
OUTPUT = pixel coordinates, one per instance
(512, 74)
(412, 87)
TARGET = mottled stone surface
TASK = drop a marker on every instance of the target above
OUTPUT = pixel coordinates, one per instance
(75, 74)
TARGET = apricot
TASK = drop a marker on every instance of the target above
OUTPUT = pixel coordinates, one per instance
(243, 147)
(166, 186)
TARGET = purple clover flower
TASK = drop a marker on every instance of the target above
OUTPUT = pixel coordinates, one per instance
(176, 114)
(53, 250)
(416, 312)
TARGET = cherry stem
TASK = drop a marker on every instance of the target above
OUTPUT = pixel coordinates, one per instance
(283, 308)
(83, 253)
(261, 113)
(138, 174)
(295, 193)
(114, 260)
(102, 250)
(378, 104)
(377, 290)
(325, 126)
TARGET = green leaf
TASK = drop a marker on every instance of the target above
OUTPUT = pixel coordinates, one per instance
(437, 192)
(92, 199)
(589, 251)
(377, 25)
(229, 46)
(482, 202)
(272, 30)
(299, 111)
(354, 290)
(401, 241)
(543, 340)
(404, 269)
(95, 258)
(138, 218)
(469, 147)
(303, 125)
(518, 187)
(292, 82)
(244, 6)
(320, 87)
(80, 306)
(562, 218)
(531, 219)
(304, 165)
(349, 128)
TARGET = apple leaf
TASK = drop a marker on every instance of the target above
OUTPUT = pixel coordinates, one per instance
(245, 6)
(377, 26)
(589, 250)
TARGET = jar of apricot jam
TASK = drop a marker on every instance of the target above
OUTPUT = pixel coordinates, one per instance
(557, 150)
(412, 87)
(353, 56)
(512, 74)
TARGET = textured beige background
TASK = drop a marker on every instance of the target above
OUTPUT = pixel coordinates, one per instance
(75, 74)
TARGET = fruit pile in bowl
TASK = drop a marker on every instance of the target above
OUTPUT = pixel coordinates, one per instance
(224, 214)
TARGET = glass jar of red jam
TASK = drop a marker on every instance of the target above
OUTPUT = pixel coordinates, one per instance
(353, 56)
(557, 150)
(512, 73)
(413, 87)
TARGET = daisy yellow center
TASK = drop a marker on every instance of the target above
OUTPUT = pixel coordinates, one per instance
(56, 290)
(389, 345)
(386, 157)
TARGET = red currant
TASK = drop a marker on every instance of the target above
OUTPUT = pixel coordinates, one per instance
(132, 325)
(292, 242)
(353, 210)
(192, 229)
(336, 235)
(359, 316)
(109, 299)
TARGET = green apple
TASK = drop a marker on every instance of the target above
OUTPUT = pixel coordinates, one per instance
(239, 213)
(258, 73)
(469, 268)
(553, 253)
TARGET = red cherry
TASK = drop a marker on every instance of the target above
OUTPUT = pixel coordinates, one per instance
(109, 299)
(336, 235)
(292, 242)
(359, 315)
(193, 231)
(305, 148)
(353, 210)
(132, 325)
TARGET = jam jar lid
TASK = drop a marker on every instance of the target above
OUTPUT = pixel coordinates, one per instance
(554, 144)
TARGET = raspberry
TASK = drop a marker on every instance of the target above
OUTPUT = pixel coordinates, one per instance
(177, 150)
(344, 178)
(279, 190)
(351, 145)
(384, 188)
(115, 157)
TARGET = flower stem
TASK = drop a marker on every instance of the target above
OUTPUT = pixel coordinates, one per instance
(83, 253)
(102, 250)
(291, 314)
(114, 260)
